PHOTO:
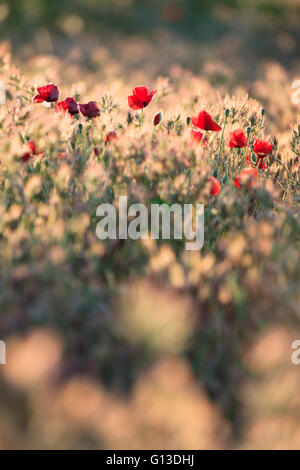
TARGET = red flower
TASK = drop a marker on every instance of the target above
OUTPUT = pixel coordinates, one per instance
(112, 135)
(140, 98)
(96, 151)
(47, 93)
(215, 186)
(32, 151)
(262, 148)
(90, 110)
(196, 136)
(248, 159)
(32, 147)
(205, 122)
(261, 165)
(205, 142)
(238, 139)
(247, 177)
(157, 119)
(26, 156)
(68, 105)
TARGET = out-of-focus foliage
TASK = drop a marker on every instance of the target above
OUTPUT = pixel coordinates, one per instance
(187, 32)
(133, 15)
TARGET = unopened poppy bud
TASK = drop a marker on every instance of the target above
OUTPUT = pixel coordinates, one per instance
(188, 120)
(157, 119)
(262, 148)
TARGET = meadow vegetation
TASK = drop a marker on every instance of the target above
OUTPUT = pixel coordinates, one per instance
(142, 344)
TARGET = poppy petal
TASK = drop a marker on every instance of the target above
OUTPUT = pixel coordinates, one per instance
(134, 103)
(141, 93)
(238, 139)
(196, 136)
(49, 92)
(215, 186)
(38, 99)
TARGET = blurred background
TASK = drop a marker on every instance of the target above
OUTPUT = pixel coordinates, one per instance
(153, 35)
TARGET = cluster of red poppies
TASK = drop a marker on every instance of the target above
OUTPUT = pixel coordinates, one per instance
(261, 148)
(238, 140)
(140, 99)
(50, 94)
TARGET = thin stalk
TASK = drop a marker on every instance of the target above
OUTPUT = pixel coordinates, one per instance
(261, 122)
(222, 136)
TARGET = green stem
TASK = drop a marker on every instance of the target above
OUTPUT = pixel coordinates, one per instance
(80, 129)
(222, 136)
(237, 154)
(284, 167)
(261, 122)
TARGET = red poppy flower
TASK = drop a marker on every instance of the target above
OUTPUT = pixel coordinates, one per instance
(90, 110)
(140, 98)
(261, 164)
(47, 93)
(205, 122)
(196, 136)
(238, 139)
(157, 119)
(26, 156)
(68, 105)
(247, 177)
(248, 159)
(262, 148)
(205, 142)
(32, 147)
(215, 186)
(112, 135)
